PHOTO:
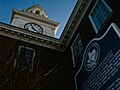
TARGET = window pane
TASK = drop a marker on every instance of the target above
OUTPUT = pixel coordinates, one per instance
(99, 14)
(77, 49)
(26, 56)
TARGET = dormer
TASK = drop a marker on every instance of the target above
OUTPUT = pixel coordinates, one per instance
(38, 10)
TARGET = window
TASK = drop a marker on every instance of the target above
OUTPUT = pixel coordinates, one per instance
(25, 57)
(37, 12)
(99, 14)
(77, 50)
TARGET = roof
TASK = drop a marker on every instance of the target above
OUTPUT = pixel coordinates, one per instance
(35, 6)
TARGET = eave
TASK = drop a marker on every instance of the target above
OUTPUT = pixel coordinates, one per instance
(29, 37)
(74, 21)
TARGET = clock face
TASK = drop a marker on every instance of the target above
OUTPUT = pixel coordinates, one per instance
(33, 27)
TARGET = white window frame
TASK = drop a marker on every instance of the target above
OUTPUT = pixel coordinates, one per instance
(91, 20)
(73, 58)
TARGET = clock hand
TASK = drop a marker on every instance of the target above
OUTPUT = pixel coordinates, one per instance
(38, 28)
(33, 28)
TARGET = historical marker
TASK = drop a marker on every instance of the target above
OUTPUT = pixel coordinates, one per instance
(100, 68)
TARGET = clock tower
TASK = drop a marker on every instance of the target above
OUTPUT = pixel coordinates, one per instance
(35, 20)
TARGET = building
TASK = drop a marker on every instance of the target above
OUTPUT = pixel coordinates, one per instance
(31, 58)
(97, 35)
(64, 63)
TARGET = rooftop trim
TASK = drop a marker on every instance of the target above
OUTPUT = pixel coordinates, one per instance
(34, 16)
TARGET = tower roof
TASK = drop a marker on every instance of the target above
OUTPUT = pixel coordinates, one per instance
(35, 6)
(37, 9)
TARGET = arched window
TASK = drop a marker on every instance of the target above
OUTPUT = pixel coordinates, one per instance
(37, 12)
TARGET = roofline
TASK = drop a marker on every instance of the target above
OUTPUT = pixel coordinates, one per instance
(74, 21)
(31, 37)
(35, 6)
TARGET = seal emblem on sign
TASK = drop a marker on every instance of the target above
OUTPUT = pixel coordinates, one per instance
(91, 56)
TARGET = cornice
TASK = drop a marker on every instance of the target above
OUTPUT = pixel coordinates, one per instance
(74, 21)
(34, 17)
(30, 37)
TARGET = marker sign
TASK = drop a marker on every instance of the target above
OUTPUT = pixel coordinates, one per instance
(100, 68)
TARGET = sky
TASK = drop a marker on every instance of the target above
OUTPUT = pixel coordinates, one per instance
(57, 10)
